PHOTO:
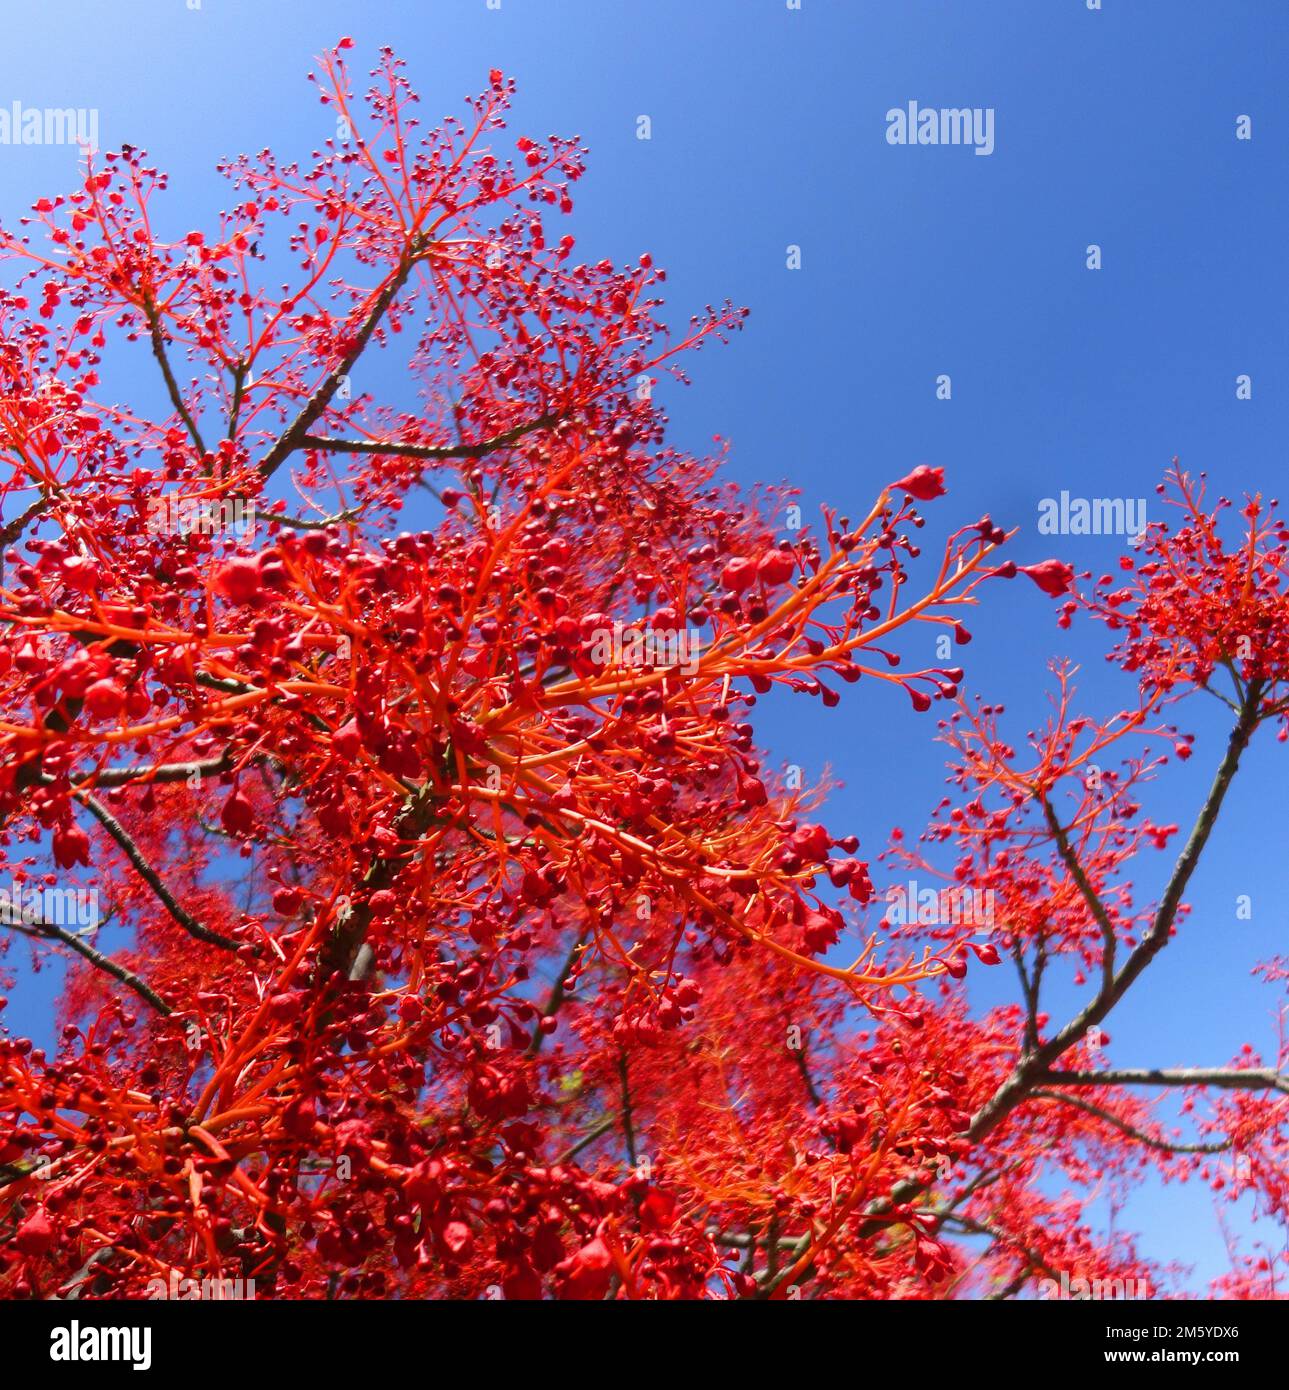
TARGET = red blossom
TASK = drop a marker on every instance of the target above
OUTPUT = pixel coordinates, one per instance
(925, 483)
(1052, 576)
(464, 938)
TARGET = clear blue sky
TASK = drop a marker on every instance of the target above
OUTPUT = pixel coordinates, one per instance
(1114, 127)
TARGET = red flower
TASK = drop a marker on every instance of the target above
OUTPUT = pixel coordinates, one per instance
(457, 1237)
(776, 567)
(811, 842)
(751, 790)
(586, 1274)
(739, 574)
(1054, 577)
(822, 930)
(924, 483)
(239, 580)
(35, 1235)
(238, 815)
(71, 846)
(104, 699)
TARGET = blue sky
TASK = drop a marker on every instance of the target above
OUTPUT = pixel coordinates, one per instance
(1115, 127)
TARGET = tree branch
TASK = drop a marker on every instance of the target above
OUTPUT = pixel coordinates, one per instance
(294, 435)
(50, 931)
(1125, 1128)
(340, 952)
(628, 1123)
(1034, 1063)
(149, 875)
(1090, 896)
(13, 529)
(149, 776)
(557, 993)
(428, 451)
(969, 1226)
(1226, 1078)
(569, 1154)
(163, 361)
(799, 1056)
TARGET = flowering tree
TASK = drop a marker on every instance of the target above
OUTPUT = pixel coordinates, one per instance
(467, 947)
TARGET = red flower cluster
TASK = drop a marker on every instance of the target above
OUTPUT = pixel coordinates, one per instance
(473, 946)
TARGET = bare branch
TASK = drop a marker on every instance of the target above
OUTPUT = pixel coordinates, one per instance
(969, 1226)
(1226, 1078)
(1130, 1130)
(628, 1123)
(558, 992)
(605, 1125)
(1094, 904)
(304, 523)
(429, 451)
(163, 361)
(13, 529)
(1034, 1064)
(803, 1066)
(149, 776)
(149, 875)
(50, 931)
